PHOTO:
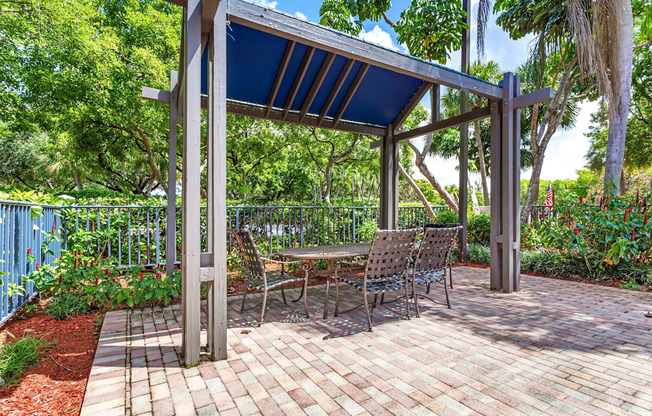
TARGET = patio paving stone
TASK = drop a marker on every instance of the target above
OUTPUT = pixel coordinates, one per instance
(554, 348)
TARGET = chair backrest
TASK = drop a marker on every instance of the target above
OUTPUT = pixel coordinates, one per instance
(435, 248)
(390, 253)
(251, 262)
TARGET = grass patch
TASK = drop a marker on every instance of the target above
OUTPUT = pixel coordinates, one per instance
(67, 305)
(18, 355)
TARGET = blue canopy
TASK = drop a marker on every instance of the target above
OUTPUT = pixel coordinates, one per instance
(253, 61)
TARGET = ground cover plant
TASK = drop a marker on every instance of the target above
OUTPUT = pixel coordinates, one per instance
(18, 354)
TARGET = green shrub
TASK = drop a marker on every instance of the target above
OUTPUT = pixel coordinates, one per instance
(67, 305)
(476, 253)
(479, 229)
(367, 230)
(603, 233)
(18, 354)
(447, 217)
(529, 237)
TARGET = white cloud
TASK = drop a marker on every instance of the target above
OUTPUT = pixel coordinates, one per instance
(301, 16)
(269, 4)
(379, 37)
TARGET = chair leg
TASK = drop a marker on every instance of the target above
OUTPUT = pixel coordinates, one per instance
(450, 274)
(305, 298)
(262, 311)
(375, 300)
(283, 294)
(337, 297)
(448, 302)
(382, 298)
(366, 308)
(416, 299)
(244, 296)
(407, 301)
(428, 289)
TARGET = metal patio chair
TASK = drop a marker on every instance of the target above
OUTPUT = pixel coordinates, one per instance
(386, 269)
(450, 256)
(431, 261)
(256, 278)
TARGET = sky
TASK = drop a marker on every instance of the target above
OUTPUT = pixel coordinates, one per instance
(567, 148)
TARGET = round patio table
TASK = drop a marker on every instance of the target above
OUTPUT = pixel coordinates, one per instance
(330, 253)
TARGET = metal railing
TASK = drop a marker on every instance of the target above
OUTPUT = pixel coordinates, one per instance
(21, 226)
(130, 235)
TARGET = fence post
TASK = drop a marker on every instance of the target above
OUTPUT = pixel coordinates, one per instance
(301, 227)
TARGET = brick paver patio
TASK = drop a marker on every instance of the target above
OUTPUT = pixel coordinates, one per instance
(556, 347)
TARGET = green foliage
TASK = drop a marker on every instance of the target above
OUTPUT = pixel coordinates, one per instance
(447, 217)
(335, 14)
(604, 232)
(66, 305)
(529, 237)
(476, 253)
(17, 355)
(479, 229)
(367, 230)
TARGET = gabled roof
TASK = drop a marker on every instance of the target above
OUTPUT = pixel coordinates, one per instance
(283, 68)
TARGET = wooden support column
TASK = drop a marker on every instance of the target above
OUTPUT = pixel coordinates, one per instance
(190, 236)
(505, 185)
(464, 135)
(216, 284)
(171, 219)
(389, 181)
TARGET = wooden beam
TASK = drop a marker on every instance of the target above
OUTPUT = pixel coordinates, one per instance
(535, 97)
(171, 217)
(190, 236)
(298, 79)
(311, 34)
(469, 117)
(279, 75)
(336, 89)
(350, 93)
(208, 9)
(316, 85)
(216, 287)
(156, 94)
(411, 105)
(182, 3)
(275, 115)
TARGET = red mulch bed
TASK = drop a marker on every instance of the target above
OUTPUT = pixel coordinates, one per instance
(49, 388)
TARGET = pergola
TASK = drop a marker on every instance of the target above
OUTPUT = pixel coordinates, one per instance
(243, 59)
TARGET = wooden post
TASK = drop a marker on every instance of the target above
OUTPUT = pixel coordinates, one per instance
(464, 135)
(505, 184)
(217, 322)
(171, 219)
(389, 181)
(190, 243)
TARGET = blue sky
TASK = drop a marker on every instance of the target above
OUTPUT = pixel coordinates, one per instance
(565, 153)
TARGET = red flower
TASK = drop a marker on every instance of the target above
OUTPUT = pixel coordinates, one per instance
(59, 278)
(29, 251)
(108, 272)
(158, 265)
(176, 267)
(157, 275)
(638, 194)
(54, 227)
(96, 281)
(75, 264)
(645, 201)
(625, 218)
(577, 231)
(581, 199)
(645, 222)
(114, 280)
(38, 266)
(141, 276)
(633, 235)
(91, 263)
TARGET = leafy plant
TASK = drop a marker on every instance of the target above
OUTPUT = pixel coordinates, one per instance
(479, 229)
(447, 217)
(604, 233)
(476, 253)
(18, 354)
(67, 305)
(367, 230)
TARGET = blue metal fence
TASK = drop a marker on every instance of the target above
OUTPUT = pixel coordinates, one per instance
(22, 228)
(130, 235)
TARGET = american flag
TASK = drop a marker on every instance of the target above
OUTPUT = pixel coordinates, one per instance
(549, 196)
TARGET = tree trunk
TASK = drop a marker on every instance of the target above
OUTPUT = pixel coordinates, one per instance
(78, 182)
(474, 196)
(532, 195)
(417, 191)
(328, 183)
(483, 165)
(623, 183)
(621, 30)
(420, 163)
(156, 173)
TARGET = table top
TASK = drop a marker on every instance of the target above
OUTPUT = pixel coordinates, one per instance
(335, 251)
